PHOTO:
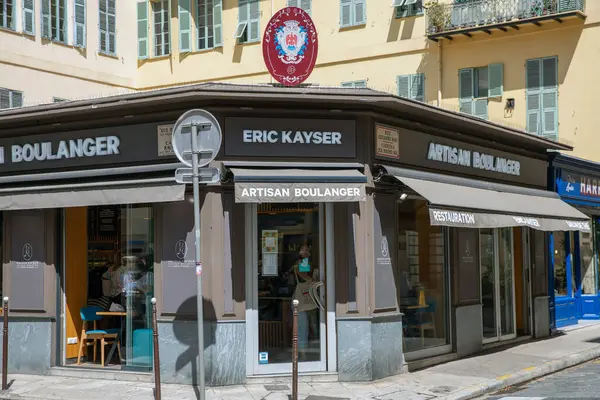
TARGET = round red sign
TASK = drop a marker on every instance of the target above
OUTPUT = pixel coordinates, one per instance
(290, 46)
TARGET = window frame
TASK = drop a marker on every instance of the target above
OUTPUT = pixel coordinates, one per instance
(54, 14)
(353, 21)
(359, 84)
(411, 79)
(298, 3)
(165, 45)
(107, 31)
(415, 9)
(11, 94)
(4, 4)
(243, 26)
(217, 6)
(58, 100)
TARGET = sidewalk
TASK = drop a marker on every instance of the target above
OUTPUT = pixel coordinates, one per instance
(462, 379)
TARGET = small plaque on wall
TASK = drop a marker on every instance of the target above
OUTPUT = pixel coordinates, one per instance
(387, 142)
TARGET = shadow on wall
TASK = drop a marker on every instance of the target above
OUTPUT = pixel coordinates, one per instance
(189, 337)
(401, 28)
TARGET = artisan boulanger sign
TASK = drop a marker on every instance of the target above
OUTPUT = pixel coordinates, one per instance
(472, 159)
(277, 137)
(466, 219)
(246, 192)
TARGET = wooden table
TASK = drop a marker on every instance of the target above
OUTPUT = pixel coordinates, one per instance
(111, 353)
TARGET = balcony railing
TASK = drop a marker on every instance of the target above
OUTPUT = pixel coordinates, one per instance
(465, 14)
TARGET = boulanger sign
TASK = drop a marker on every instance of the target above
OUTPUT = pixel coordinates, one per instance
(63, 149)
(467, 219)
(246, 192)
(290, 137)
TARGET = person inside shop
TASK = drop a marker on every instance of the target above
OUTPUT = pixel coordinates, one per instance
(112, 280)
(302, 269)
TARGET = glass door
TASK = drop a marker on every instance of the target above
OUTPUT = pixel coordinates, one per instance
(497, 284)
(289, 254)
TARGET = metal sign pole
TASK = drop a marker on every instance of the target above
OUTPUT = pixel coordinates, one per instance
(196, 185)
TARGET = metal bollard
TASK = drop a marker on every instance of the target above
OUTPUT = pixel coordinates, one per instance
(5, 345)
(295, 350)
(157, 393)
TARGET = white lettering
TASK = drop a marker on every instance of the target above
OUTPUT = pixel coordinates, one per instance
(88, 147)
(466, 158)
(247, 134)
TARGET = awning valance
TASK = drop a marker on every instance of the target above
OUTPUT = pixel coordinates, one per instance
(475, 205)
(298, 185)
(92, 194)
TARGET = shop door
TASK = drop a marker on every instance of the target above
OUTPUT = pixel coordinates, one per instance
(288, 252)
(497, 284)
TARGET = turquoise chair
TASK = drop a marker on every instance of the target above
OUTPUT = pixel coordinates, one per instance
(90, 314)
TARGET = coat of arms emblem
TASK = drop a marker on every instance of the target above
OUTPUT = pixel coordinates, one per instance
(291, 40)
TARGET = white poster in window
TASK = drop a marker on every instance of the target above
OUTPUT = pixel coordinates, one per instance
(269, 241)
(269, 264)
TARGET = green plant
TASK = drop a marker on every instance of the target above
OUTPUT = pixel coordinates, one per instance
(438, 16)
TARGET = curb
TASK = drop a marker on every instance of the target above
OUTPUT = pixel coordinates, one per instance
(525, 375)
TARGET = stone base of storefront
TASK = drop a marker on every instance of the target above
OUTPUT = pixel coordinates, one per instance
(224, 352)
(370, 348)
(468, 324)
(541, 316)
(29, 345)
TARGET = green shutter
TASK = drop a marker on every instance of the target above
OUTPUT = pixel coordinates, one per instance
(4, 99)
(360, 12)
(345, 13)
(417, 87)
(496, 80)
(480, 108)
(465, 89)
(79, 33)
(533, 94)
(111, 22)
(549, 106)
(16, 100)
(218, 22)
(292, 3)
(185, 30)
(306, 5)
(29, 17)
(46, 20)
(254, 22)
(403, 82)
(142, 22)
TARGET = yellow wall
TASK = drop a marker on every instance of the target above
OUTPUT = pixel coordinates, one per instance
(377, 52)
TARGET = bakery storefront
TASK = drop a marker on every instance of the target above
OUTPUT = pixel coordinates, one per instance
(399, 237)
(574, 265)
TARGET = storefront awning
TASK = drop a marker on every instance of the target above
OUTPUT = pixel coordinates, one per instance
(92, 194)
(297, 185)
(492, 206)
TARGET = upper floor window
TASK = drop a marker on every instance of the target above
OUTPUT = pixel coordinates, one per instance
(10, 99)
(248, 28)
(412, 86)
(542, 97)
(408, 8)
(58, 100)
(210, 24)
(7, 14)
(142, 29)
(107, 26)
(476, 85)
(306, 5)
(352, 13)
(54, 20)
(354, 84)
(28, 16)
(160, 13)
(79, 31)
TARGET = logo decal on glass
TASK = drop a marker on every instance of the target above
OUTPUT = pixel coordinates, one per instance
(385, 250)
(181, 249)
(27, 252)
(467, 249)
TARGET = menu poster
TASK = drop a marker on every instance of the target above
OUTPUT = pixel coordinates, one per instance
(104, 220)
(269, 241)
(270, 249)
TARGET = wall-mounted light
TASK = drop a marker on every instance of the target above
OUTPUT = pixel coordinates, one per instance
(402, 197)
(510, 104)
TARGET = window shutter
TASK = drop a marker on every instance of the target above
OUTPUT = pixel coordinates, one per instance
(549, 106)
(46, 23)
(80, 37)
(218, 22)
(417, 91)
(403, 86)
(360, 12)
(480, 107)
(292, 3)
(29, 17)
(4, 99)
(254, 22)
(103, 25)
(185, 31)
(112, 27)
(496, 80)
(16, 99)
(306, 5)
(465, 83)
(142, 20)
(345, 13)
(533, 95)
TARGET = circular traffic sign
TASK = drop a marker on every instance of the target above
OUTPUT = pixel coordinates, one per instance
(209, 137)
(290, 46)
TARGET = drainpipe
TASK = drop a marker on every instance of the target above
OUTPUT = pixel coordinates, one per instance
(439, 80)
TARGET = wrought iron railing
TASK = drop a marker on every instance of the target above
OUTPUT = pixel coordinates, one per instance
(442, 17)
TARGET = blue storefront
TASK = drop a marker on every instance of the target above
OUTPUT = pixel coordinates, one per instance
(574, 255)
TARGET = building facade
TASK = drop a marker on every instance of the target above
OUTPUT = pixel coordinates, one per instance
(419, 234)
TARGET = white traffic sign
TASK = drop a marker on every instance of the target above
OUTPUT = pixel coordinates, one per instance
(205, 175)
(209, 137)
